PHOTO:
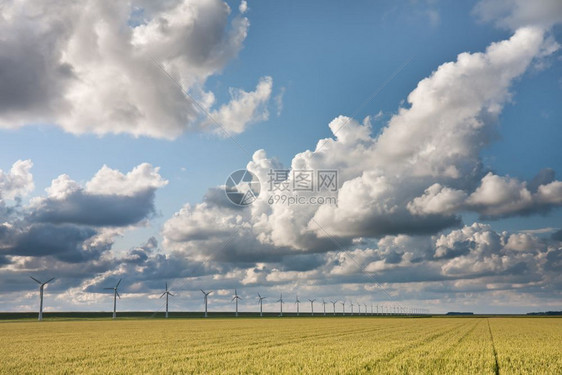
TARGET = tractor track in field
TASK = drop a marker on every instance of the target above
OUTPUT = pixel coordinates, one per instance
(266, 344)
(393, 354)
(459, 341)
(496, 366)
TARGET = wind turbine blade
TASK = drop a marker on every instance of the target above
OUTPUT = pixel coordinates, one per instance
(163, 294)
(119, 282)
(233, 298)
(118, 295)
(48, 281)
(202, 291)
(259, 295)
(37, 281)
(108, 288)
(171, 294)
(166, 287)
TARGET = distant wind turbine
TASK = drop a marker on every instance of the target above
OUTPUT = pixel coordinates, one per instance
(297, 302)
(115, 295)
(334, 306)
(351, 308)
(312, 306)
(324, 303)
(41, 287)
(167, 294)
(206, 294)
(365, 309)
(359, 307)
(261, 303)
(280, 300)
(343, 307)
(236, 297)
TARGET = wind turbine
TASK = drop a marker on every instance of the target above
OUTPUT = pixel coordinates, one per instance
(324, 303)
(359, 307)
(365, 309)
(206, 294)
(334, 305)
(41, 286)
(236, 297)
(261, 303)
(280, 300)
(166, 293)
(115, 295)
(312, 306)
(343, 307)
(351, 308)
(297, 302)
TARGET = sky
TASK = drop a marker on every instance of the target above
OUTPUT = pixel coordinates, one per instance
(121, 122)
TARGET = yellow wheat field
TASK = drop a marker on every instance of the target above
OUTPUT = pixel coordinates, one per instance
(286, 346)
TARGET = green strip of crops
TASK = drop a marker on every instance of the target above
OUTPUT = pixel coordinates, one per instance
(292, 346)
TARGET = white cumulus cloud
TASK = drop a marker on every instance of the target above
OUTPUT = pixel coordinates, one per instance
(102, 66)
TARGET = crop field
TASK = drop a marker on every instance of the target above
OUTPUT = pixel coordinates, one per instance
(352, 345)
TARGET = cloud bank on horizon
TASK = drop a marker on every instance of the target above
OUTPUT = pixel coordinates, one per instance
(401, 193)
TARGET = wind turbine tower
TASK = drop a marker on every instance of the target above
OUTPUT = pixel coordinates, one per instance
(115, 295)
(343, 307)
(280, 300)
(351, 308)
(167, 294)
(236, 298)
(324, 303)
(334, 306)
(261, 303)
(41, 287)
(205, 294)
(312, 306)
(297, 302)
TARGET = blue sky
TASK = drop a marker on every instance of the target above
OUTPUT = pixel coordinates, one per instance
(325, 59)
